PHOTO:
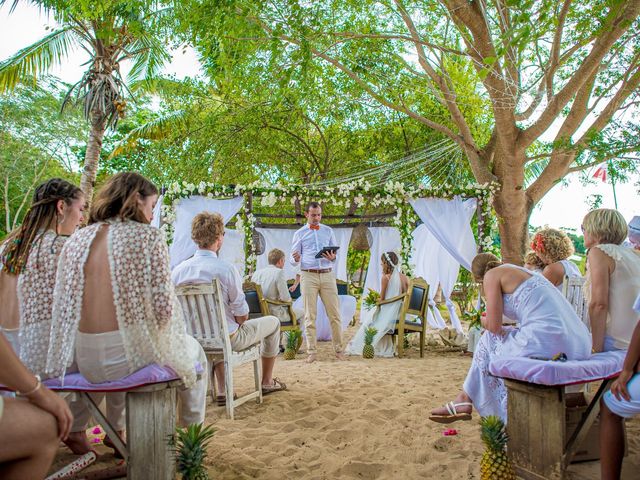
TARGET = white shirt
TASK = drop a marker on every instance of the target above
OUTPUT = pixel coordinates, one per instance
(308, 243)
(203, 267)
(274, 287)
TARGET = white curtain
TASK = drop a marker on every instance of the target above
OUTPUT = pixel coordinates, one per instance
(157, 213)
(384, 239)
(232, 249)
(277, 238)
(182, 246)
(443, 242)
(343, 238)
(448, 221)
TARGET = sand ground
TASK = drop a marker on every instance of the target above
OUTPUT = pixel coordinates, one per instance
(360, 419)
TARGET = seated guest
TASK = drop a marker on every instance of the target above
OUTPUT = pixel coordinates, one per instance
(29, 430)
(532, 262)
(30, 262)
(274, 285)
(393, 283)
(613, 279)
(114, 304)
(623, 401)
(55, 213)
(207, 231)
(547, 325)
(554, 247)
(634, 232)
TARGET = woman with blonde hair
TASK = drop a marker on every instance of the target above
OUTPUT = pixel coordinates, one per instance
(613, 279)
(546, 325)
(393, 283)
(115, 306)
(554, 247)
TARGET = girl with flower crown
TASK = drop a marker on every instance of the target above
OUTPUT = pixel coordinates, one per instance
(393, 283)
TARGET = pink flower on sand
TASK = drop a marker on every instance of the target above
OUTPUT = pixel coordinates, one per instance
(96, 430)
(96, 440)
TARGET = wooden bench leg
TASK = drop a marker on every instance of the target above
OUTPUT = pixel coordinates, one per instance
(151, 419)
(536, 428)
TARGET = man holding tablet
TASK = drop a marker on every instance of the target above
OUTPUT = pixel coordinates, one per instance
(314, 248)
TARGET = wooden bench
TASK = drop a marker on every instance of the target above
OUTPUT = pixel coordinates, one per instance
(536, 409)
(150, 417)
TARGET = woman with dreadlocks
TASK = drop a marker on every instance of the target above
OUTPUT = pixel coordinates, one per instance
(29, 259)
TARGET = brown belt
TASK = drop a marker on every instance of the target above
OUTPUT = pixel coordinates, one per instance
(322, 270)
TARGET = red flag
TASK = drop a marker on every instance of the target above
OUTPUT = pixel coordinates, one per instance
(601, 173)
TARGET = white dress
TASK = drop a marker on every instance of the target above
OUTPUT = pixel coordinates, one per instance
(383, 320)
(571, 270)
(546, 324)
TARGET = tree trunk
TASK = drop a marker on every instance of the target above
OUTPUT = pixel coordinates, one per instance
(513, 206)
(92, 157)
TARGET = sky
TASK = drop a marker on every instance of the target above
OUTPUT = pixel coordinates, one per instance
(564, 206)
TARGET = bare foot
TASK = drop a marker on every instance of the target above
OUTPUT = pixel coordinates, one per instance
(78, 443)
(311, 358)
(341, 356)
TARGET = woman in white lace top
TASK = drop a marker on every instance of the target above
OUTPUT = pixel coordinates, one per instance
(114, 300)
(613, 279)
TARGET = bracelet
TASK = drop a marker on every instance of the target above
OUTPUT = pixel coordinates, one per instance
(33, 390)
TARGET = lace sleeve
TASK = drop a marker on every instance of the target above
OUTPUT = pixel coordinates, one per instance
(161, 286)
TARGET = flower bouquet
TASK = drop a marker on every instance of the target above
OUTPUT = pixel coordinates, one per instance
(371, 300)
(474, 318)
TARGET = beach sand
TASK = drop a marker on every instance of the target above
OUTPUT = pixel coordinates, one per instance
(359, 419)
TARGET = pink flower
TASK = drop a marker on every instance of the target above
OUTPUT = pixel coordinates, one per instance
(96, 430)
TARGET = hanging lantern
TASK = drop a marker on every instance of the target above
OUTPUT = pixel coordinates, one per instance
(361, 238)
(258, 242)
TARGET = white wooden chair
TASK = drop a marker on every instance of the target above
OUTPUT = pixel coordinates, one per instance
(572, 289)
(206, 322)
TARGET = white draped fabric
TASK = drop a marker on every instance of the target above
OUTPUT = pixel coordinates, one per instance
(448, 221)
(277, 238)
(282, 237)
(232, 249)
(157, 213)
(443, 242)
(323, 330)
(384, 239)
(182, 246)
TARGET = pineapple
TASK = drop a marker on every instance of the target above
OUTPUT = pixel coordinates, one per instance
(368, 350)
(293, 339)
(495, 463)
(190, 449)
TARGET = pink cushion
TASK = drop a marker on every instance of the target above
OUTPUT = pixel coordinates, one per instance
(599, 366)
(145, 376)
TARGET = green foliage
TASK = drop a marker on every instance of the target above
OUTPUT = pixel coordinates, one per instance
(369, 334)
(293, 337)
(190, 448)
(37, 143)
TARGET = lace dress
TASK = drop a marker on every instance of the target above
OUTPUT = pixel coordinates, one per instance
(35, 298)
(148, 313)
(546, 324)
(383, 320)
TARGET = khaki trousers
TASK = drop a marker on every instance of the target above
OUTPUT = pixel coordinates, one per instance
(323, 284)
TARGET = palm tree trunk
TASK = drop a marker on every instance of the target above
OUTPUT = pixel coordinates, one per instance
(92, 157)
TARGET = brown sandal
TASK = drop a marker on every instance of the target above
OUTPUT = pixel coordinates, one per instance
(278, 386)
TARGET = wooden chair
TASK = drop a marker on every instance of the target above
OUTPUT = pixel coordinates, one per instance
(343, 287)
(414, 302)
(255, 300)
(206, 322)
(572, 289)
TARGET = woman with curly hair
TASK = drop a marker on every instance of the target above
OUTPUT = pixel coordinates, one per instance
(532, 262)
(554, 248)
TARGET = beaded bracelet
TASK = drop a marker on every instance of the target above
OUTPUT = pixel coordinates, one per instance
(33, 390)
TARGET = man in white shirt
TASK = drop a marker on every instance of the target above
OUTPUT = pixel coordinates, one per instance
(207, 231)
(317, 278)
(274, 285)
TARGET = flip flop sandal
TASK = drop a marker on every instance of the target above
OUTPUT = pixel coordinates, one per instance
(277, 386)
(221, 400)
(453, 415)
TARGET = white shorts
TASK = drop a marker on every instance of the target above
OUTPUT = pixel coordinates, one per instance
(626, 408)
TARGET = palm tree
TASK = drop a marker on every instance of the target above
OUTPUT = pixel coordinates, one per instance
(110, 33)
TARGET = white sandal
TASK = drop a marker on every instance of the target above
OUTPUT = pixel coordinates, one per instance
(453, 415)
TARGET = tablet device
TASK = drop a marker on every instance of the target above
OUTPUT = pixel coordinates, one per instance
(326, 249)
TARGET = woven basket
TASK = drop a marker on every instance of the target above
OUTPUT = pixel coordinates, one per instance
(361, 238)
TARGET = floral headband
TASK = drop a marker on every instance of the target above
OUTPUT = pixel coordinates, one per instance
(538, 243)
(388, 258)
